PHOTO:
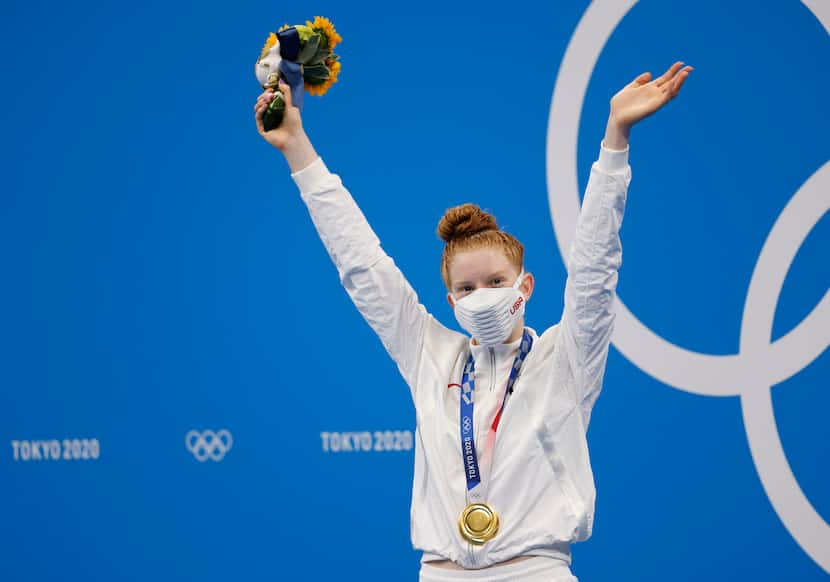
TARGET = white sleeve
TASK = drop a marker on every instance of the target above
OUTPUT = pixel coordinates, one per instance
(375, 284)
(595, 257)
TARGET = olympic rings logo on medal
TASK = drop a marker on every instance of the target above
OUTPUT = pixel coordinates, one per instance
(208, 444)
(760, 363)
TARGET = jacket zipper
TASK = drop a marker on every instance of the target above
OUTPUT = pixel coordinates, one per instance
(492, 368)
(498, 440)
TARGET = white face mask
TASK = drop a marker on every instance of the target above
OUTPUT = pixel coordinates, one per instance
(489, 314)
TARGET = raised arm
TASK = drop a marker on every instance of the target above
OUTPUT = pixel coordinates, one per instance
(375, 284)
(596, 252)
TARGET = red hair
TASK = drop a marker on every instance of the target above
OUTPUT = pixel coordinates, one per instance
(467, 227)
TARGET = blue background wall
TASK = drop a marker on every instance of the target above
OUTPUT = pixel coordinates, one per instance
(160, 275)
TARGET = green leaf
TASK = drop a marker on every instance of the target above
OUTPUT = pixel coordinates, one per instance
(324, 40)
(309, 49)
(304, 31)
(322, 55)
(316, 74)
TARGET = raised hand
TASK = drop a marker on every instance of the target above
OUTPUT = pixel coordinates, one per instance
(289, 137)
(641, 98)
(291, 127)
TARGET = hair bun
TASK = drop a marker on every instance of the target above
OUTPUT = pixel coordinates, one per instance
(465, 220)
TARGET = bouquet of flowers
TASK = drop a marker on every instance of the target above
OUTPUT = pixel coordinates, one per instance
(303, 57)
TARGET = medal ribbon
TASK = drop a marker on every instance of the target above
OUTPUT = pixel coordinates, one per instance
(468, 445)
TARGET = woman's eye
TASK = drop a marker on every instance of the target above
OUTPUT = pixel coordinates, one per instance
(498, 281)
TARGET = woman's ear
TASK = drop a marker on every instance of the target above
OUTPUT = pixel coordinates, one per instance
(450, 300)
(527, 285)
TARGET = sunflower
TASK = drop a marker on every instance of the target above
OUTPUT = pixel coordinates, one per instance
(272, 40)
(324, 26)
(322, 88)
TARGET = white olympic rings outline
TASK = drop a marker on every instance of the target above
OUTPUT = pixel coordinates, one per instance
(760, 363)
(208, 444)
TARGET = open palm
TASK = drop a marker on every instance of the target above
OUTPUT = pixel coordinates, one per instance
(642, 97)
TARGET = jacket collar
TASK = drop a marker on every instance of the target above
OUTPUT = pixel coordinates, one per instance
(503, 350)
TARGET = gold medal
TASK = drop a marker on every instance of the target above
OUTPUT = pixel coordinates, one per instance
(478, 523)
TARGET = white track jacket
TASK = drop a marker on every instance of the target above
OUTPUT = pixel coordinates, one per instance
(540, 479)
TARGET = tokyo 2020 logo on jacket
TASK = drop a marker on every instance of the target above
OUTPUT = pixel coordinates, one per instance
(760, 363)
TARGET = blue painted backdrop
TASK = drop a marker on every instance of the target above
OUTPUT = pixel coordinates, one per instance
(160, 275)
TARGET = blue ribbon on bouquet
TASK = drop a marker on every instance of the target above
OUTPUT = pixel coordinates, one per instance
(290, 70)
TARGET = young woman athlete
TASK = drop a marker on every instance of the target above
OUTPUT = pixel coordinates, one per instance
(487, 508)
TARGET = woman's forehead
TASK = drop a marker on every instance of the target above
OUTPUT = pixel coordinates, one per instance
(474, 264)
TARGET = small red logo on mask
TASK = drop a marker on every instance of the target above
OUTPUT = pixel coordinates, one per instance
(516, 305)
